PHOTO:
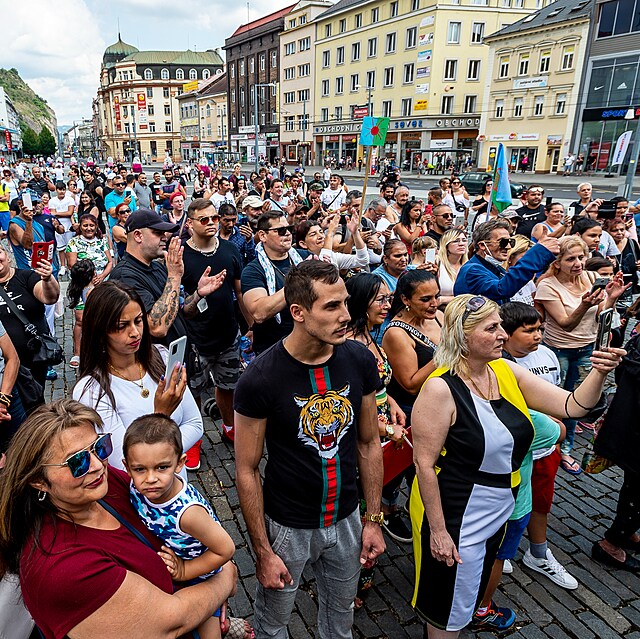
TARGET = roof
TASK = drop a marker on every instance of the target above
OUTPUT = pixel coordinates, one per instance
(175, 57)
(553, 14)
(120, 47)
(243, 28)
(340, 6)
(214, 84)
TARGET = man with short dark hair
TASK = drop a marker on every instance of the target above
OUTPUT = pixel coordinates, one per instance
(240, 236)
(142, 191)
(441, 221)
(532, 212)
(334, 196)
(321, 432)
(118, 196)
(277, 199)
(63, 206)
(387, 191)
(224, 195)
(170, 185)
(38, 183)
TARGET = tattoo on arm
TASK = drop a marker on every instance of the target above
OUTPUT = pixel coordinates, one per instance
(165, 310)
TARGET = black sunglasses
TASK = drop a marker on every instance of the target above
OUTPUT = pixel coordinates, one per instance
(473, 305)
(283, 230)
(506, 242)
(80, 462)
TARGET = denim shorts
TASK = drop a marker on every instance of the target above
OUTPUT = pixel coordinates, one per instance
(512, 536)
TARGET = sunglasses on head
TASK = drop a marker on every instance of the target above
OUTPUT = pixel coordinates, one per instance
(473, 305)
(80, 462)
(282, 230)
(536, 192)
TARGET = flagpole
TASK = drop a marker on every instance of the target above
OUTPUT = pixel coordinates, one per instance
(364, 186)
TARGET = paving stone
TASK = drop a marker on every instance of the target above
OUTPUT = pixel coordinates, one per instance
(598, 626)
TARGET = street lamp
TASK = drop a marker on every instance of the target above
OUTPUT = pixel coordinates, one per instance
(255, 115)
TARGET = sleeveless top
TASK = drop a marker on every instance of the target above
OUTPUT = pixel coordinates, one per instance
(425, 350)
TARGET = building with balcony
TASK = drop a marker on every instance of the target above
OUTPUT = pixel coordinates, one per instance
(422, 65)
(137, 106)
(10, 134)
(253, 58)
(534, 87)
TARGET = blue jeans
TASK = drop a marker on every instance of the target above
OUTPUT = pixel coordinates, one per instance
(574, 367)
(334, 555)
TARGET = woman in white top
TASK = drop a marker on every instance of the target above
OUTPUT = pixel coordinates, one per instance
(122, 372)
(452, 254)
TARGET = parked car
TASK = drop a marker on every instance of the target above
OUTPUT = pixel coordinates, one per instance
(474, 180)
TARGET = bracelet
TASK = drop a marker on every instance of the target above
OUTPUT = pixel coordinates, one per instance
(5, 399)
(579, 404)
(566, 405)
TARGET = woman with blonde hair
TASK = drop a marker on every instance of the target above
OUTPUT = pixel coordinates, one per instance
(521, 246)
(452, 254)
(468, 453)
(571, 308)
(419, 248)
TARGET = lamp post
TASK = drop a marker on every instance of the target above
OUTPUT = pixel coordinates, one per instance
(255, 115)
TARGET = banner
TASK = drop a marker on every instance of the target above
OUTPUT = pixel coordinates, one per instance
(143, 113)
(116, 108)
(374, 131)
(621, 148)
(7, 137)
(501, 191)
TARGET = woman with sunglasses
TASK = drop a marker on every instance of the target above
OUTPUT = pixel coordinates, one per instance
(85, 560)
(452, 254)
(458, 199)
(468, 454)
(118, 231)
(122, 372)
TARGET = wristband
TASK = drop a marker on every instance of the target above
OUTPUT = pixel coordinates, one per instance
(5, 399)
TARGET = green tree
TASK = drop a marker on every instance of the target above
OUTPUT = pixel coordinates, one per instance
(46, 142)
(30, 142)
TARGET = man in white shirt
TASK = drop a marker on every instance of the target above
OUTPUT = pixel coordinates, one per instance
(278, 201)
(333, 197)
(62, 205)
(326, 174)
(223, 195)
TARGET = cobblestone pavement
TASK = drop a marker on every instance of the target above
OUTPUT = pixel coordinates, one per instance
(606, 605)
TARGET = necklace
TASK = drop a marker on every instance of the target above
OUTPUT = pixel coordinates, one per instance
(192, 244)
(485, 397)
(144, 392)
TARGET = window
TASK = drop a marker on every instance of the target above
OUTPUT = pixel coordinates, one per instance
(482, 3)
(567, 58)
(538, 105)
(167, 109)
(289, 49)
(517, 107)
(165, 92)
(561, 103)
(241, 68)
(386, 109)
(412, 36)
(354, 82)
(358, 20)
(504, 68)
(304, 70)
(393, 9)
(453, 33)
(290, 73)
(405, 107)
(339, 85)
(325, 88)
(274, 59)
(450, 69)
(324, 115)
(167, 127)
(289, 122)
(340, 55)
(415, 5)
(305, 44)
(233, 96)
(471, 104)
(446, 107)
(243, 119)
(252, 65)
(342, 25)
(523, 64)
(193, 74)
(326, 59)
(355, 52)
(151, 109)
(233, 121)
(303, 19)
(152, 127)
(372, 47)
(473, 70)
(545, 60)
(232, 71)
(375, 15)
(327, 30)
(303, 95)
(518, 4)
(407, 76)
(337, 113)
(164, 74)
(208, 110)
(242, 97)
(477, 32)
(292, 24)
(371, 79)
(262, 61)
(498, 112)
(149, 92)
(125, 111)
(206, 74)
(289, 97)
(148, 74)
(388, 77)
(390, 43)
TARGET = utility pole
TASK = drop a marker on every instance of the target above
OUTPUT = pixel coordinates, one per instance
(255, 116)
(304, 133)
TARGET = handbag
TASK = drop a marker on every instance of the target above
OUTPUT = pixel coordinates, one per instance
(30, 390)
(460, 208)
(45, 348)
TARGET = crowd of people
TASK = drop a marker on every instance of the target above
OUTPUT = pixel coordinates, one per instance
(364, 315)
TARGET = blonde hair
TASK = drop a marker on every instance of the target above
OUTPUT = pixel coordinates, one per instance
(453, 350)
(522, 245)
(422, 243)
(447, 237)
(567, 243)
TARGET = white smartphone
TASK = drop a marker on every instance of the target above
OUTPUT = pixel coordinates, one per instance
(430, 255)
(26, 201)
(571, 212)
(176, 354)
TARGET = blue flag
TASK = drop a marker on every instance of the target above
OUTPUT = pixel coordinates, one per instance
(501, 191)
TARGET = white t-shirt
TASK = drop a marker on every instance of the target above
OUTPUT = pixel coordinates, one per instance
(607, 246)
(525, 294)
(326, 173)
(57, 205)
(333, 199)
(218, 199)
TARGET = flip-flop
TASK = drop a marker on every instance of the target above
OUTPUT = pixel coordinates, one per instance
(238, 629)
(572, 467)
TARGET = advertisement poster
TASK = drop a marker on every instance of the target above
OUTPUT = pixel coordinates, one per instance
(143, 113)
(116, 108)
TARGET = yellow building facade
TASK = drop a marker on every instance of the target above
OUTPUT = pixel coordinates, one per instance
(531, 97)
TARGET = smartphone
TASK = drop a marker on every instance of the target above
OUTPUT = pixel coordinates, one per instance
(607, 210)
(571, 212)
(41, 251)
(430, 255)
(26, 201)
(604, 330)
(176, 354)
(599, 284)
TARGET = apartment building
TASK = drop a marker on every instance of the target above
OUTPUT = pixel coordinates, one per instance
(536, 65)
(423, 65)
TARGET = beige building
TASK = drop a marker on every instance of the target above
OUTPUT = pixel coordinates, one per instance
(420, 63)
(137, 108)
(297, 79)
(536, 65)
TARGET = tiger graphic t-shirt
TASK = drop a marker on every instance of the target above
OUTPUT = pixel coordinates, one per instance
(312, 416)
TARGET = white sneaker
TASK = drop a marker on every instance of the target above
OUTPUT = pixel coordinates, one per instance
(552, 569)
(507, 567)
(62, 271)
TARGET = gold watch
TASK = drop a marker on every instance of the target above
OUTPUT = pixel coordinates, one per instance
(376, 518)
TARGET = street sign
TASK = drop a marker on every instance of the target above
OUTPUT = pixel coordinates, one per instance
(246, 129)
(360, 112)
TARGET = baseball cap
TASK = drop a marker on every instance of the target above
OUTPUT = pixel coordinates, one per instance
(316, 186)
(253, 201)
(148, 219)
(110, 175)
(509, 214)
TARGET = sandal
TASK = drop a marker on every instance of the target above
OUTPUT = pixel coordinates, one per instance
(570, 465)
(238, 629)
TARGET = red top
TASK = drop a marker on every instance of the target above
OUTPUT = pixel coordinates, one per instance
(84, 567)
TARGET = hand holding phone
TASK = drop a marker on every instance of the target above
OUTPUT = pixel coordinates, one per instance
(604, 330)
(175, 356)
(599, 284)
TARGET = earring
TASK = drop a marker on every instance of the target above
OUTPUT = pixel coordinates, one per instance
(406, 307)
(41, 495)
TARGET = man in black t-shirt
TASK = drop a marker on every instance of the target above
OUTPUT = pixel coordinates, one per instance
(442, 220)
(311, 398)
(212, 324)
(532, 212)
(38, 183)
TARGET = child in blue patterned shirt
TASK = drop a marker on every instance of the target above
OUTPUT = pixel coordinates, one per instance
(196, 545)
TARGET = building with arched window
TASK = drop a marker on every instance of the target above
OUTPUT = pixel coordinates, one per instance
(136, 108)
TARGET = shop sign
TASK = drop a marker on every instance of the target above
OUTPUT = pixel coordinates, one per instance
(528, 136)
(412, 124)
(7, 137)
(421, 105)
(116, 108)
(238, 137)
(271, 135)
(461, 122)
(360, 112)
(246, 129)
(333, 138)
(411, 136)
(422, 88)
(502, 137)
(423, 72)
(337, 128)
(596, 115)
(554, 140)
(143, 120)
(425, 56)
(530, 83)
(513, 136)
(190, 86)
(441, 144)
(481, 138)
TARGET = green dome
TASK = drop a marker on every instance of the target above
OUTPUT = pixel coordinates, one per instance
(115, 52)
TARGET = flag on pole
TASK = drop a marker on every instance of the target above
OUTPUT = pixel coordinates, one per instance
(501, 191)
(374, 131)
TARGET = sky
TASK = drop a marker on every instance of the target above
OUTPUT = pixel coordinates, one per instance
(57, 46)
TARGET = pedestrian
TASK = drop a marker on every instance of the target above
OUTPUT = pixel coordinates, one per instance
(142, 191)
